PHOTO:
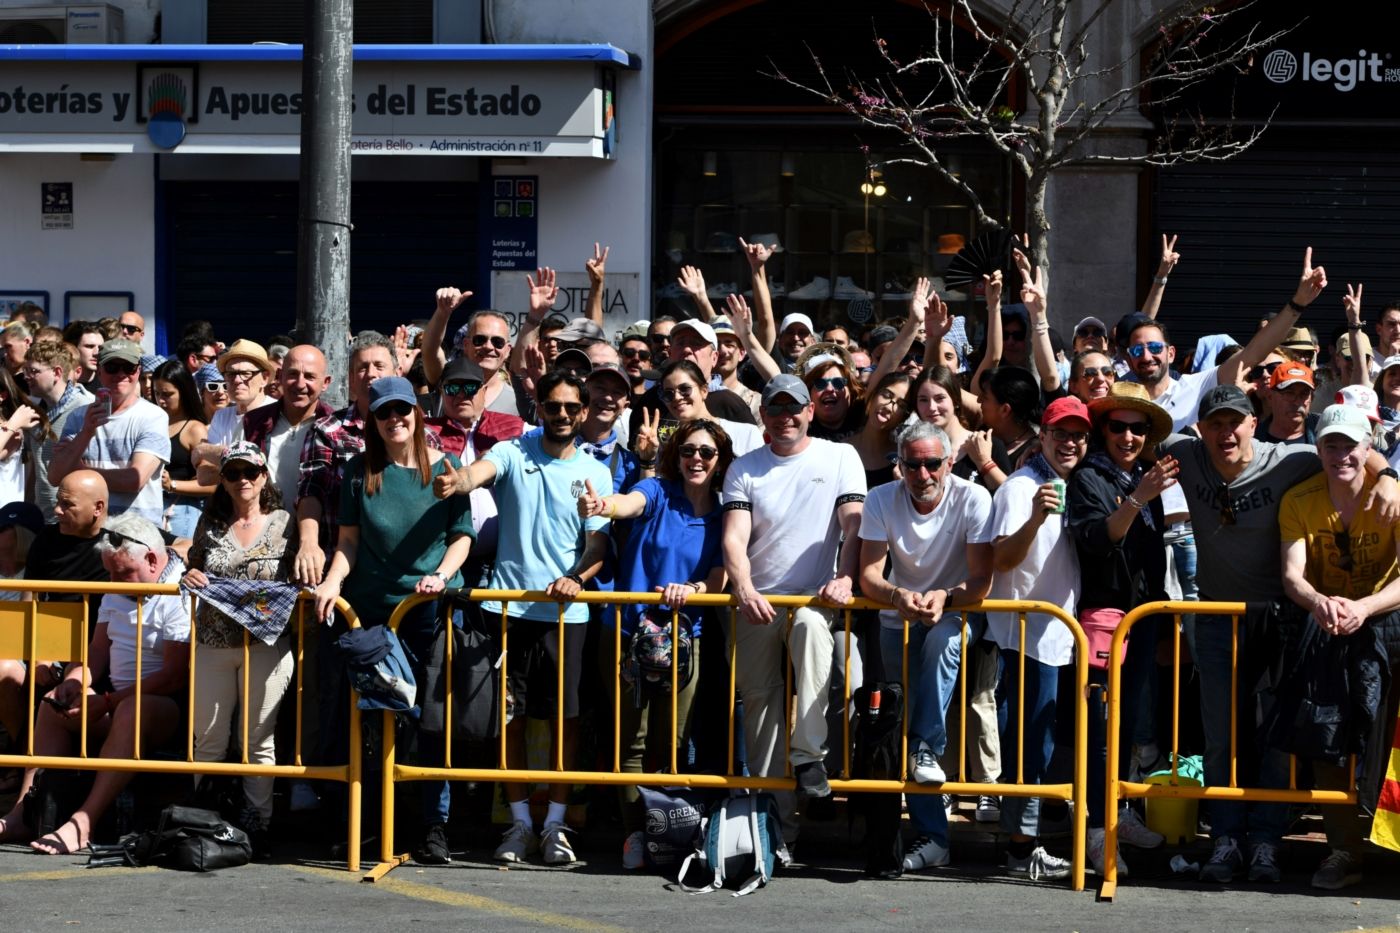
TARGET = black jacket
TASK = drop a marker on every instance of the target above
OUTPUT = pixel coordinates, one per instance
(1114, 575)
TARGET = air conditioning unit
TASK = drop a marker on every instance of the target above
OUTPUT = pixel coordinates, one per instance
(86, 23)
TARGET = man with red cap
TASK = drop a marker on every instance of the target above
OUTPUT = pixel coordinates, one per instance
(1286, 406)
(1033, 557)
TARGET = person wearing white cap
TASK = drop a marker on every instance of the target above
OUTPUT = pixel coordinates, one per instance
(692, 340)
(1091, 334)
(1339, 566)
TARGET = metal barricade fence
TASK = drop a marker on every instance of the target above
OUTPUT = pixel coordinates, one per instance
(1117, 788)
(35, 631)
(1073, 792)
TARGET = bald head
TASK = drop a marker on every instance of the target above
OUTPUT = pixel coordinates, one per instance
(302, 380)
(600, 353)
(81, 505)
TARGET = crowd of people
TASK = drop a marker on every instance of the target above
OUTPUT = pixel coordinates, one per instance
(729, 453)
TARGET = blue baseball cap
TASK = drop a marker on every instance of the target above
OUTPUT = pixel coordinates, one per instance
(391, 389)
(206, 374)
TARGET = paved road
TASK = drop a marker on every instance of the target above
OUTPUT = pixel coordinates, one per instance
(302, 893)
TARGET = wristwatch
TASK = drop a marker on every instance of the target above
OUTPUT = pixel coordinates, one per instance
(575, 577)
(1388, 471)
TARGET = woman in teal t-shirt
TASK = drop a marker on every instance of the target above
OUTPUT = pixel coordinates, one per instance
(396, 539)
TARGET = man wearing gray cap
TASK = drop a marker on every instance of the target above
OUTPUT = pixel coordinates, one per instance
(1233, 484)
(787, 507)
(121, 436)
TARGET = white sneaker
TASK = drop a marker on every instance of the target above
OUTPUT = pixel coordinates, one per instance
(1096, 853)
(777, 289)
(948, 805)
(816, 290)
(924, 767)
(303, 797)
(1039, 865)
(720, 289)
(518, 843)
(925, 853)
(1132, 831)
(846, 288)
(672, 290)
(632, 850)
(556, 846)
(988, 809)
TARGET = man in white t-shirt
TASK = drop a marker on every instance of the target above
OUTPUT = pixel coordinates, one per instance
(1150, 353)
(1034, 558)
(935, 529)
(120, 436)
(787, 507)
(133, 552)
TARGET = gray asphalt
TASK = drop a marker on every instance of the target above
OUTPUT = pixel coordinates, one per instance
(302, 892)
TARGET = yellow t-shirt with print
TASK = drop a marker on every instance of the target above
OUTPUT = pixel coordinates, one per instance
(1353, 562)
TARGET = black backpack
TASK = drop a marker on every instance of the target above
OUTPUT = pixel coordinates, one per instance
(878, 755)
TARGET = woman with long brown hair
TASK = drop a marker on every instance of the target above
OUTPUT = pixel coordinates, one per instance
(396, 539)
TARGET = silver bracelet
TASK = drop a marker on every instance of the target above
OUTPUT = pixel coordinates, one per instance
(1135, 504)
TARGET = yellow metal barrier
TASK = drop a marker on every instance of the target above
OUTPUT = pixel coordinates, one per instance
(1074, 791)
(1117, 789)
(35, 631)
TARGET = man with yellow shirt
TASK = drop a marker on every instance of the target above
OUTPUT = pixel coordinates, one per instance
(1339, 564)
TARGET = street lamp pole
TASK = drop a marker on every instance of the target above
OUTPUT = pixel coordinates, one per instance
(323, 219)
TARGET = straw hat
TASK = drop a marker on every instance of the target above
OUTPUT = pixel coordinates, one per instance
(1130, 396)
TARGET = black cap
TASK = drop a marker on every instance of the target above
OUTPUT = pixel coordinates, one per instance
(1224, 398)
(462, 368)
(24, 514)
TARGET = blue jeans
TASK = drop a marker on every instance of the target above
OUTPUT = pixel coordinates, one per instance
(184, 514)
(935, 654)
(1021, 815)
(1209, 639)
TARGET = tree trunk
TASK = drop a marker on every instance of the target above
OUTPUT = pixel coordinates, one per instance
(1038, 222)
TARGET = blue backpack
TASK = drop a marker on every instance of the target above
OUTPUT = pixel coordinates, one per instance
(742, 837)
(378, 668)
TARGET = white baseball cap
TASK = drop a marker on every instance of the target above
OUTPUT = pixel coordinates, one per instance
(1346, 420)
(796, 317)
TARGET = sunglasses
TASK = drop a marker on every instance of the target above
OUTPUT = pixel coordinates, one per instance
(1091, 371)
(656, 339)
(636, 353)
(778, 409)
(836, 383)
(119, 368)
(554, 408)
(1138, 428)
(1262, 371)
(393, 410)
(1343, 542)
(910, 358)
(1227, 507)
(685, 391)
(1077, 437)
(209, 386)
(1090, 332)
(1155, 347)
(237, 474)
(703, 451)
(932, 464)
(480, 340)
(466, 387)
(131, 329)
(208, 359)
(242, 375)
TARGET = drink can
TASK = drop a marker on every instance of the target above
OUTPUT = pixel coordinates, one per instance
(1060, 491)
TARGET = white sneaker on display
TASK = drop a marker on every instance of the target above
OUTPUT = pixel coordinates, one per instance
(846, 288)
(673, 290)
(720, 289)
(816, 290)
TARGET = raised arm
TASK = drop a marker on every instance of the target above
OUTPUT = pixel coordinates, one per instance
(1170, 257)
(920, 302)
(742, 319)
(1033, 297)
(991, 356)
(693, 281)
(1265, 339)
(596, 267)
(1359, 371)
(765, 331)
(449, 299)
(544, 289)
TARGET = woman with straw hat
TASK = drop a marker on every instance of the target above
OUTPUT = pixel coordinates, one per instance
(1117, 521)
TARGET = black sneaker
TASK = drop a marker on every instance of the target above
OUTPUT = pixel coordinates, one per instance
(811, 780)
(433, 850)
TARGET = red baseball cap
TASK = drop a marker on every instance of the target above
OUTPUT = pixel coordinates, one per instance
(1290, 373)
(1062, 408)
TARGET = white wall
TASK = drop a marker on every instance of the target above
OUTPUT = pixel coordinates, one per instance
(112, 244)
(587, 200)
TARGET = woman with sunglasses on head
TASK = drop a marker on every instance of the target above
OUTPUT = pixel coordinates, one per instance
(16, 418)
(244, 534)
(886, 410)
(978, 456)
(213, 390)
(673, 549)
(1115, 516)
(176, 395)
(683, 390)
(838, 408)
(1091, 375)
(397, 539)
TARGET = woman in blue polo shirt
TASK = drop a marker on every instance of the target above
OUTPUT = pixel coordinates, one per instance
(673, 549)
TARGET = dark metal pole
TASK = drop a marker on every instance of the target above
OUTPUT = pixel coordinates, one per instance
(323, 235)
